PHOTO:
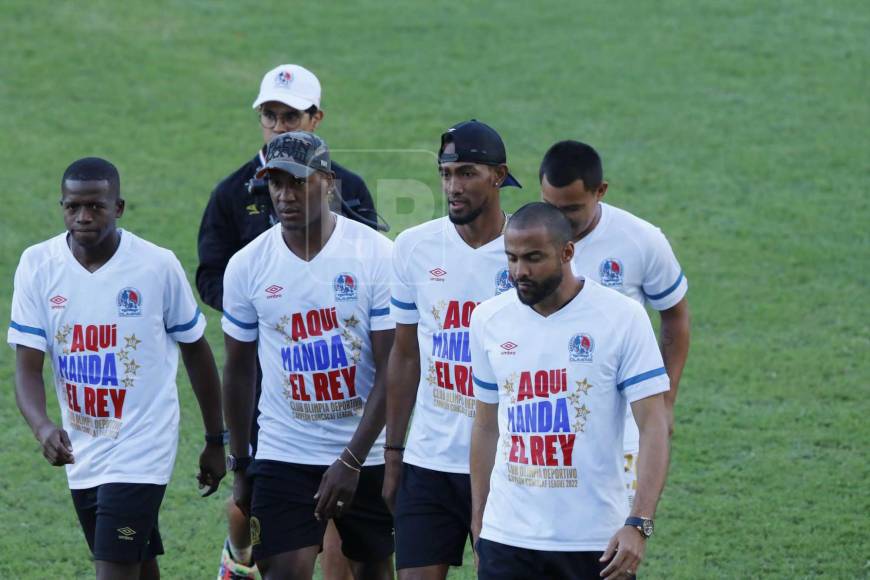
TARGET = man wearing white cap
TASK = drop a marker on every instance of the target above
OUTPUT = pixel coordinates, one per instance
(238, 211)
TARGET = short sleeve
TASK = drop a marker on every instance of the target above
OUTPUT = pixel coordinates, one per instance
(641, 371)
(379, 315)
(485, 382)
(240, 319)
(403, 295)
(28, 325)
(663, 283)
(181, 315)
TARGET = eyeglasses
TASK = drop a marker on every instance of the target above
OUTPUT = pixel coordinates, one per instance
(289, 119)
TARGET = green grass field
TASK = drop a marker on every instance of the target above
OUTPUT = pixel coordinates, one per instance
(738, 127)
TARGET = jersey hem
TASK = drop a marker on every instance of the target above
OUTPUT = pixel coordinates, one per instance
(145, 479)
(412, 460)
(542, 546)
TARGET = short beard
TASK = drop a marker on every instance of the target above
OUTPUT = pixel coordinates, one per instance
(541, 290)
(465, 220)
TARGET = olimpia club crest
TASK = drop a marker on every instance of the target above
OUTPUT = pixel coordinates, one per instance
(345, 287)
(129, 302)
(580, 348)
(502, 282)
(611, 273)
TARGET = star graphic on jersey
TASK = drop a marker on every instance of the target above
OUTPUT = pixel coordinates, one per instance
(350, 322)
(581, 412)
(130, 367)
(574, 398)
(583, 386)
(345, 334)
(356, 356)
(128, 381)
(62, 333)
(356, 344)
(436, 312)
(579, 426)
(65, 350)
(122, 354)
(132, 341)
(430, 377)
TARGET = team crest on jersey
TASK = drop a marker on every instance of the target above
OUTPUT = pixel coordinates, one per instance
(611, 273)
(345, 287)
(502, 282)
(283, 78)
(129, 302)
(580, 348)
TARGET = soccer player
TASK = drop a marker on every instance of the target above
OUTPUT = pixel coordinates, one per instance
(310, 299)
(289, 100)
(441, 270)
(111, 311)
(555, 361)
(623, 252)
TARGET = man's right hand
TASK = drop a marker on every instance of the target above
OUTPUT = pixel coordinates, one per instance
(56, 446)
(242, 493)
(392, 478)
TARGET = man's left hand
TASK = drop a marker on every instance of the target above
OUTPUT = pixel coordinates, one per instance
(625, 553)
(336, 491)
(212, 468)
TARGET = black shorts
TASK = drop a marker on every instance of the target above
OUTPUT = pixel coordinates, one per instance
(433, 517)
(503, 562)
(282, 512)
(120, 520)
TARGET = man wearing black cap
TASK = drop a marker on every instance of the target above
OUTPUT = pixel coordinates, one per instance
(310, 299)
(288, 100)
(441, 270)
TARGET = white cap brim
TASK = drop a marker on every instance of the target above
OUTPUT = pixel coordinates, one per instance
(297, 103)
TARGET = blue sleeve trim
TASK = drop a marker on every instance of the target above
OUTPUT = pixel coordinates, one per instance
(379, 312)
(187, 325)
(666, 292)
(484, 384)
(403, 305)
(27, 329)
(641, 378)
(239, 323)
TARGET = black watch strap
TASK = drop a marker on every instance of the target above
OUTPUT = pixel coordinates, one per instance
(221, 438)
(237, 464)
(643, 525)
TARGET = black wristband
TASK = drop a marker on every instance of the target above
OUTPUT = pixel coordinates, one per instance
(394, 448)
(221, 438)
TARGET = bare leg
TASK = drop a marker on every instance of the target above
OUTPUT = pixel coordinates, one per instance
(380, 570)
(295, 565)
(117, 570)
(333, 564)
(239, 528)
(436, 572)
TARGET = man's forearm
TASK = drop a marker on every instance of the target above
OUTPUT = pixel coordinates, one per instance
(238, 392)
(484, 444)
(201, 368)
(674, 345)
(652, 467)
(30, 389)
(404, 377)
(372, 422)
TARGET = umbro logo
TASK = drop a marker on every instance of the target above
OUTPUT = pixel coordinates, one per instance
(508, 347)
(57, 302)
(127, 533)
(274, 291)
(438, 274)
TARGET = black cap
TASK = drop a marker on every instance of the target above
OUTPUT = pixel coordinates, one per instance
(298, 153)
(475, 142)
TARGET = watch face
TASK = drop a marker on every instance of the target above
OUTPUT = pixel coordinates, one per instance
(647, 528)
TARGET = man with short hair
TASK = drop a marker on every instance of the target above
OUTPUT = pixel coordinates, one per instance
(623, 252)
(310, 299)
(441, 270)
(289, 100)
(111, 311)
(555, 362)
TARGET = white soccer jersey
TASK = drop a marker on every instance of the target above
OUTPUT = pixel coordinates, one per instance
(561, 384)
(111, 336)
(312, 322)
(438, 279)
(632, 256)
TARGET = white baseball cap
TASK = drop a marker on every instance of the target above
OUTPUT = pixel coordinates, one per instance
(291, 84)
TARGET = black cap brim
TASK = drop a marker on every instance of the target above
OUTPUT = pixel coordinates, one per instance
(295, 169)
(511, 181)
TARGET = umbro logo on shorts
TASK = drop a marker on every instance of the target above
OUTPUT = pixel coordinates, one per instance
(127, 533)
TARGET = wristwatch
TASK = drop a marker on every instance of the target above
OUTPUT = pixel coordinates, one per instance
(237, 464)
(644, 525)
(221, 438)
